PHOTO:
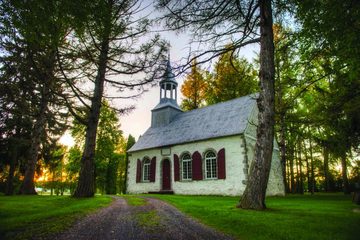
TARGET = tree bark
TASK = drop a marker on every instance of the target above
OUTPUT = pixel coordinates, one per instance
(28, 186)
(307, 170)
(292, 177)
(10, 179)
(346, 187)
(326, 169)
(312, 168)
(86, 184)
(282, 146)
(255, 191)
(288, 179)
(297, 179)
(301, 178)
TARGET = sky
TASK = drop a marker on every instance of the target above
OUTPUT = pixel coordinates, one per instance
(138, 121)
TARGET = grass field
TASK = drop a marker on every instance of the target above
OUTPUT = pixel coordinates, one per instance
(22, 217)
(323, 216)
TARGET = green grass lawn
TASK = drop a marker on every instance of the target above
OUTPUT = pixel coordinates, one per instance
(22, 217)
(323, 216)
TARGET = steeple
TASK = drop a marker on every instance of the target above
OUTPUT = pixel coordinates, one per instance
(168, 85)
(167, 108)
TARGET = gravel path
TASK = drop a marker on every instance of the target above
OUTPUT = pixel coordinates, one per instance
(121, 221)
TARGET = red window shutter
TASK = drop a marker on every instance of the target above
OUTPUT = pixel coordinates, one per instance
(138, 171)
(176, 168)
(197, 173)
(152, 169)
(221, 164)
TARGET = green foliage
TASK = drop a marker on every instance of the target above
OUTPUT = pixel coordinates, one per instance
(123, 177)
(108, 143)
(323, 216)
(113, 173)
(194, 88)
(73, 166)
(330, 29)
(25, 217)
(231, 79)
(31, 32)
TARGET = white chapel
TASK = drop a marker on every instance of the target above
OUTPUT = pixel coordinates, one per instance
(205, 151)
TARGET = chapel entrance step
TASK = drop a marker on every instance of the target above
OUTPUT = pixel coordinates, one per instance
(162, 192)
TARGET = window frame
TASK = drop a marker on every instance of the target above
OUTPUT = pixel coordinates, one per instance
(188, 161)
(146, 164)
(213, 172)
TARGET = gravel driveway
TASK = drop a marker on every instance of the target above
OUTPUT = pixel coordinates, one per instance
(154, 220)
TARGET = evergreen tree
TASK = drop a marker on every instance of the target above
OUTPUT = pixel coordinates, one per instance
(107, 158)
(233, 78)
(194, 89)
(30, 35)
(111, 42)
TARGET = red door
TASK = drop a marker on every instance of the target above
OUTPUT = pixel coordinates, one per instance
(166, 174)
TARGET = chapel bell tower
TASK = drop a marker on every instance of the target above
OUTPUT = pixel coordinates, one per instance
(167, 108)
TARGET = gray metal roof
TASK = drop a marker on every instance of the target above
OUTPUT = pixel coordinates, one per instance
(219, 120)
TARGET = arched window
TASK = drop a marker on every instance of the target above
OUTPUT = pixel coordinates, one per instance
(146, 170)
(186, 167)
(210, 165)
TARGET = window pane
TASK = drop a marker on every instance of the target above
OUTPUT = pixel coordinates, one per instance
(211, 165)
(146, 171)
(186, 167)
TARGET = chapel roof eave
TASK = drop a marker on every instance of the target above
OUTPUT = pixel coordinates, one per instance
(185, 142)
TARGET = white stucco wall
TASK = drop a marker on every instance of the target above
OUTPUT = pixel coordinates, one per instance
(239, 152)
(232, 185)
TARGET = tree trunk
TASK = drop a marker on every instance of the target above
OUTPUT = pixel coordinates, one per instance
(326, 169)
(297, 179)
(292, 177)
(10, 179)
(86, 184)
(28, 186)
(288, 176)
(307, 171)
(52, 183)
(254, 194)
(312, 168)
(282, 146)
(346, 187)
(301, 178)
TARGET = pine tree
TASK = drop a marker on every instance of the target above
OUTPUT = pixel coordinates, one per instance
(233, 78)
(194, 89)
